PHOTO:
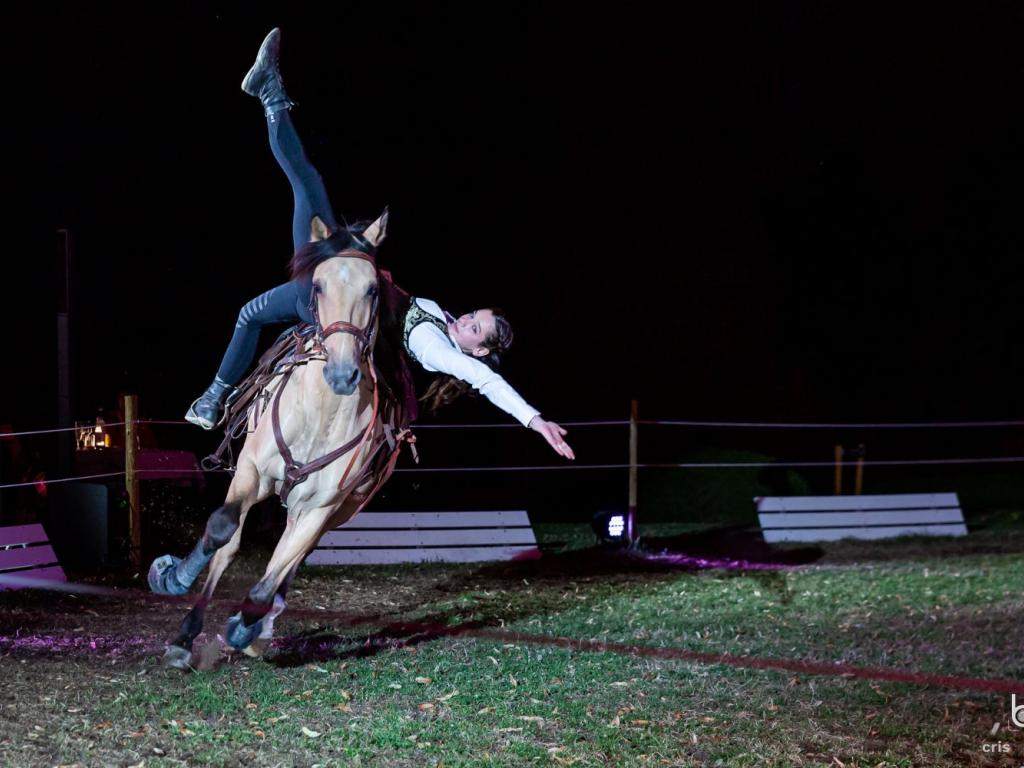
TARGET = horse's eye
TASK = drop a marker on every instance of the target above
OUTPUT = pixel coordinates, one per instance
(317, 288)
(371, 291)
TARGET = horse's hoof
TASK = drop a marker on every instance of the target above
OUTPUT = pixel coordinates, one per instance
(162, 576)
(178, 658)
(256, 648)
(239, 636)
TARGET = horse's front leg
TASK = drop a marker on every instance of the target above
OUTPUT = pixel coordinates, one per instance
(262, 642)
(258, 646)
(301, 534)
(219, 543)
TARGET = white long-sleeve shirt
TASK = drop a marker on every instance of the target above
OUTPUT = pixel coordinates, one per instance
(438, 353)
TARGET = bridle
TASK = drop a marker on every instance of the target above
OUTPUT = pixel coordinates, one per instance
(364, 336)
(379, 442)
(295, 472)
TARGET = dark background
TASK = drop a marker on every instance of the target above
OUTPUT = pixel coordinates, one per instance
(804, 211)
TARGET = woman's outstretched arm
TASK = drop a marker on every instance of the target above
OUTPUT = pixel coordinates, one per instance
(435, 353)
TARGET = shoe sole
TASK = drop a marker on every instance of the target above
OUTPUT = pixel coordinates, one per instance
(262, 58)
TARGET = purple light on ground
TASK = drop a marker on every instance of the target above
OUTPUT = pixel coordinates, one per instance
(688, 561)
(110, 645)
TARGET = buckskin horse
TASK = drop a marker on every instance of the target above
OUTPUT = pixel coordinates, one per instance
(330, 441)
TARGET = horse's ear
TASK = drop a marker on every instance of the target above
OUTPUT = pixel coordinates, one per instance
(318, 230)
(376, 232)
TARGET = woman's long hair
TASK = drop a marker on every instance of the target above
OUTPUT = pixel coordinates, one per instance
(446, 389)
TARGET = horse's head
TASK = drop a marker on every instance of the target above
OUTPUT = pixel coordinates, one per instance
(345, 300)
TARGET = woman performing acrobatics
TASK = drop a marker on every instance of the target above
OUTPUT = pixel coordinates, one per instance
(465, 350)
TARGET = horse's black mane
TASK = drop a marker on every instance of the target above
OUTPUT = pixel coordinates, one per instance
(311, 255)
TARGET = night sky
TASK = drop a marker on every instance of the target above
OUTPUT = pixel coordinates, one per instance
(805, 211)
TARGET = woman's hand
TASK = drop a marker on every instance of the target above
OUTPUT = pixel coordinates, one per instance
(553, 434)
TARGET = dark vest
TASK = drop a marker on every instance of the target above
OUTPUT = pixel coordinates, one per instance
(415, 316)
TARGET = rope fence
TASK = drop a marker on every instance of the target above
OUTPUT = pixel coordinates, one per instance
(132, 473)
(72, 429)
(981, 460)
(36, 483)
(835, 425)
(568, 467)
(642, 422)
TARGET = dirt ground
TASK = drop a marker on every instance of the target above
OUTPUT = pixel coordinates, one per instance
(62, 652)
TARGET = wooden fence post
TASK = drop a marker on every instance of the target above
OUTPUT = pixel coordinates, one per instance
(859, 480)
(839, 471)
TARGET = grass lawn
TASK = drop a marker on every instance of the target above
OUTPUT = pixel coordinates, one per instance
(428, 665)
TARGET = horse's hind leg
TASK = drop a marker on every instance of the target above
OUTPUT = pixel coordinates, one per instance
(219, 543)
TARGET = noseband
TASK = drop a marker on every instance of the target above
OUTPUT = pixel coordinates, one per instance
(364, 336)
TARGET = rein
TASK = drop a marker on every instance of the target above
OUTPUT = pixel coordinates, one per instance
(294, 472)
(291, 351)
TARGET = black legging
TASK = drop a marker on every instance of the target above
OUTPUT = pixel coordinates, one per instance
(286, 303)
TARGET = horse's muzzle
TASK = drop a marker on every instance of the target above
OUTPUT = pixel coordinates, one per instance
(342, 378)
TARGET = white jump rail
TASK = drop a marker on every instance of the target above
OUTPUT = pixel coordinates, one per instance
(26, 557)
(830, 518)
(376, 538)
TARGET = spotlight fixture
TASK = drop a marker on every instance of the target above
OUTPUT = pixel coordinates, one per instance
(612, 528)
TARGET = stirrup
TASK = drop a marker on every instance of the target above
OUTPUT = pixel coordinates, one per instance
(194, 418)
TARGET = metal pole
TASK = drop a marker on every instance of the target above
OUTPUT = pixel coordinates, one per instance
(131, 406)
(631, 514)
(65, 442)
